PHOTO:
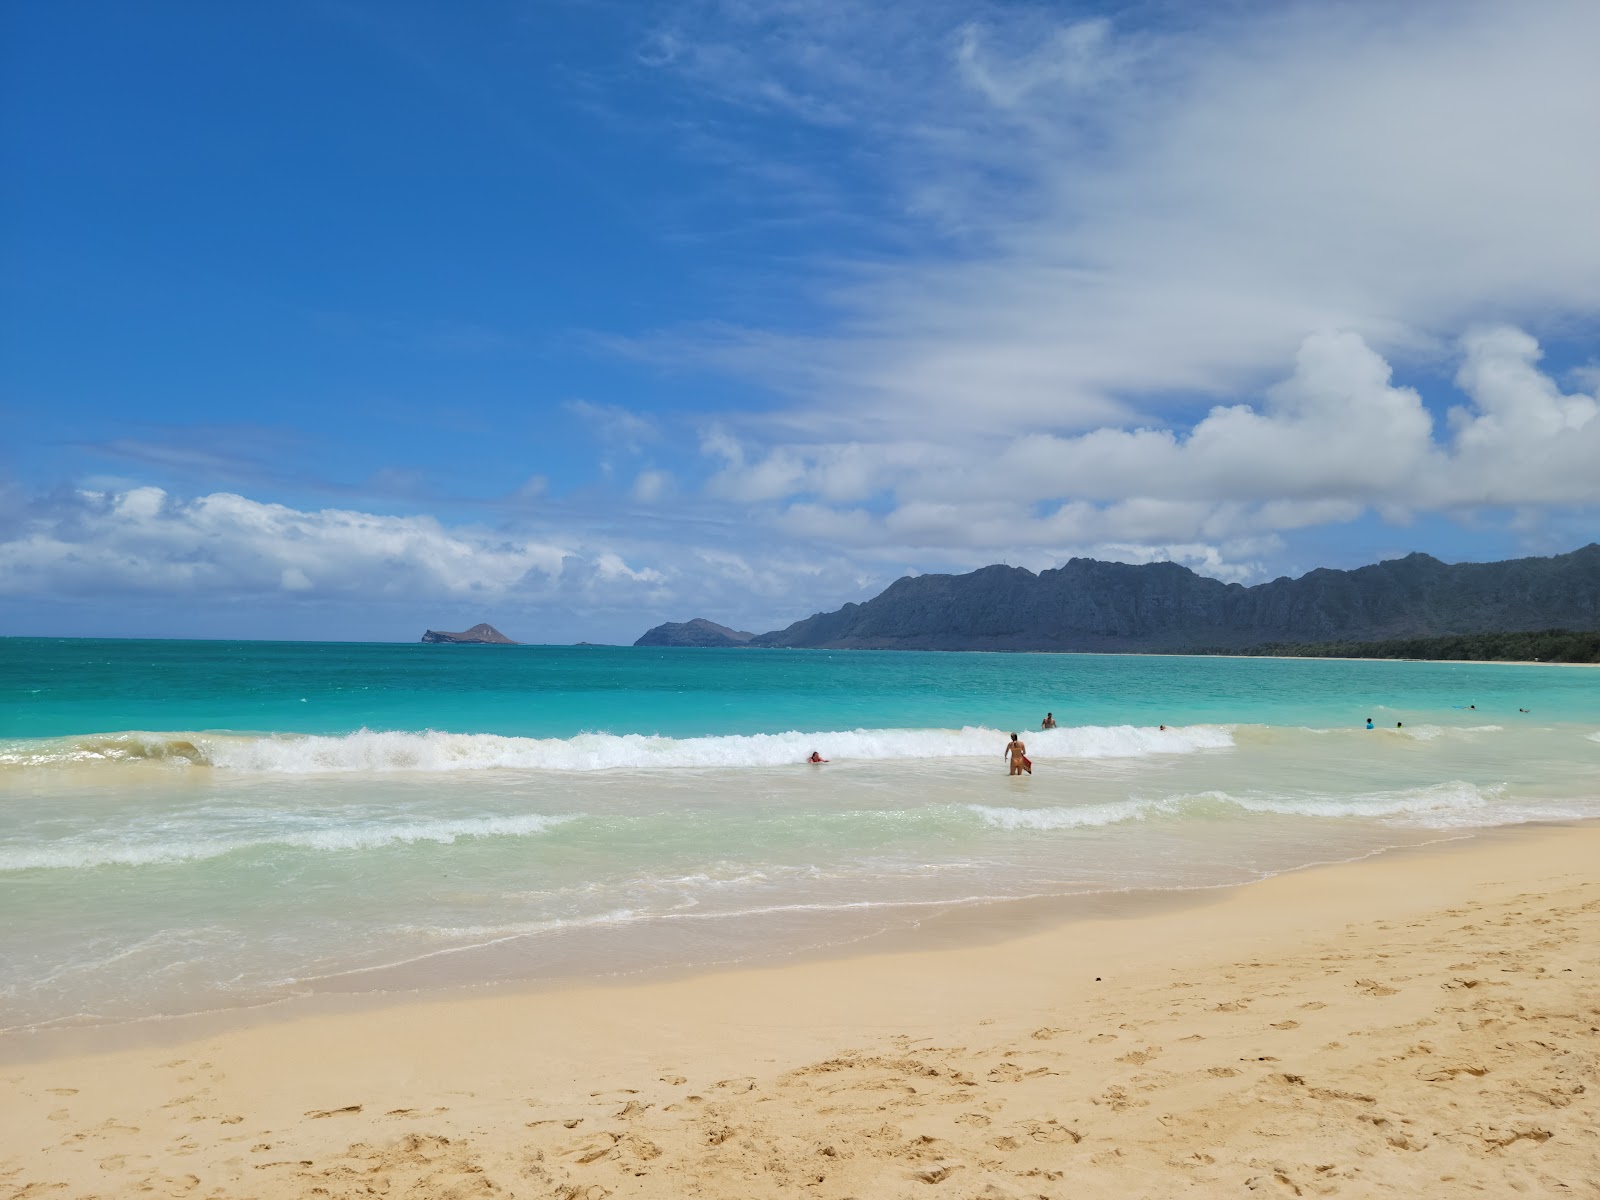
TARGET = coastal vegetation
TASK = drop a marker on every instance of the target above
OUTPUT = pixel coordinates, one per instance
(1544, 645)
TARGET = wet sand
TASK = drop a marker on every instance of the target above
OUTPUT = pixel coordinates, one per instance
(1426, 1023)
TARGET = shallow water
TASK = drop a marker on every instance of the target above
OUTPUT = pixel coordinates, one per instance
(186, 826)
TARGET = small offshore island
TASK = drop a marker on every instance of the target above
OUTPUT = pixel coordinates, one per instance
(479, 635)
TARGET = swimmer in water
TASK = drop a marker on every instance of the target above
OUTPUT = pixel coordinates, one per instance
(816, 758)
(1017, 752)
(1049, 721)
(1369, 722)
(1399, 724)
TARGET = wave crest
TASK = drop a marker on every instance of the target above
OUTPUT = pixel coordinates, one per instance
(1454, 805)
(374, 751)
(71, 855)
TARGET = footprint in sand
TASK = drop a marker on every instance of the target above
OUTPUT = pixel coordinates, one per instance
(1286, 1024)
(593, 1148)
(318, 1114)
(1139, 1057)
(1052, 1131)
(1102, 1037)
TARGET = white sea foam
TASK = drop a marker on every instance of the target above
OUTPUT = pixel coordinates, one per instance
(372, 751)
(82, 853)
(1440, 806)
(1428, 733)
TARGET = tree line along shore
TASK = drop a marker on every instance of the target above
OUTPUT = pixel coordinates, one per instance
(1545, 645)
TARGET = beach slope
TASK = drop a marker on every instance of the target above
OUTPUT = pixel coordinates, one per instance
(1422, 1024)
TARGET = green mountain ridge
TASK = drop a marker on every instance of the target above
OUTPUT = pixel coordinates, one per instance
(1089, 605)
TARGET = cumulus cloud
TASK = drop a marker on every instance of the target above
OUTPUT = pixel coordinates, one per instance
(225, 544)
(211, 552)
(1333, 440)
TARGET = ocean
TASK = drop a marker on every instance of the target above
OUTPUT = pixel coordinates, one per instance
(193, 826)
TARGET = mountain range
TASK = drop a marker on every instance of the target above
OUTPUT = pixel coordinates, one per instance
(1089, 605)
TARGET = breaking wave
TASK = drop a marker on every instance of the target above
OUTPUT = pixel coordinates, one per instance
(373, 751)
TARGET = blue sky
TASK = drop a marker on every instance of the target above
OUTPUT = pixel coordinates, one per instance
(344, 319)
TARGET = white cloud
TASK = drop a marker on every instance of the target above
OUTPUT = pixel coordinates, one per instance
(222, 544)
(220, 551)
(614, 425)
(1525, 442)
(652, 486)
(1120, 214)
(1331, 441)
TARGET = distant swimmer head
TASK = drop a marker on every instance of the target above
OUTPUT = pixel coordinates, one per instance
(1399, 724)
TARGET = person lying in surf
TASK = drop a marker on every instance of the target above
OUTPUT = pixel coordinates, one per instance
(1017, 752)
(816, 758)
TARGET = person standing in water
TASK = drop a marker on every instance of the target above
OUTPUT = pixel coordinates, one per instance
(1369, 722)
(1017, 752)
(1049, 721)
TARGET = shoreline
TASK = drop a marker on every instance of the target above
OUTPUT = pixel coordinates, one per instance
(1412, 1022)
(953, 925)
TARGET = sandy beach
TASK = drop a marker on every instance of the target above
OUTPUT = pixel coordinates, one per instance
(1424, 1023)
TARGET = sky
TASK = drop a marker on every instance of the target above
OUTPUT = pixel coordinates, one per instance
(343, 319)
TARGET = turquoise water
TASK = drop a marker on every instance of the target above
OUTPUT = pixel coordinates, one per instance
(62, 687)
(194, 825)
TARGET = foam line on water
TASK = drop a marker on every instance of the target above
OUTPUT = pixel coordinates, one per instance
(371, 751)
(73, 854)
(1453, 805)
